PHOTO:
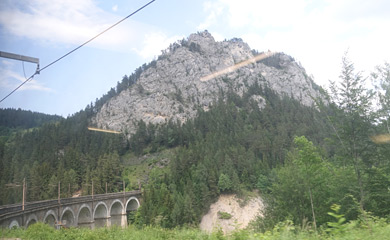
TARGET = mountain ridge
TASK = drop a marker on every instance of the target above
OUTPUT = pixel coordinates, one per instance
(171, 87)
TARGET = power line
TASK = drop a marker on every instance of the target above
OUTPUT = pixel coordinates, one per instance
(82, 45)
(9, 94)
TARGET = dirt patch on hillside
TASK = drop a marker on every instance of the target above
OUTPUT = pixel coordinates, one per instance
(240, 216)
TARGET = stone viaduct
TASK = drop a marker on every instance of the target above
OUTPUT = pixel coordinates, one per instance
(85, 211)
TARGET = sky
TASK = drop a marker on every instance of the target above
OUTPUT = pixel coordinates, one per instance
(316, 33)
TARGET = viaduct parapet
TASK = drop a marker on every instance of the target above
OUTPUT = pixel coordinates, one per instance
(85, 211)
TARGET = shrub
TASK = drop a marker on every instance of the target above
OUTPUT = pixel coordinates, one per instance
(224, 215)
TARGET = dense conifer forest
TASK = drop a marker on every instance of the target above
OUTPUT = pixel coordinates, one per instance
(304, 161)
(17, 119)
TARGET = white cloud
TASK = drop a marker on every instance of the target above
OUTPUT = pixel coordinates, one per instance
(264, 12)
(57, 21)
(10, 79)
(215, 9)
(217, 36)
(69, 22)
(72, 22)
(153, 43)
(315, 33)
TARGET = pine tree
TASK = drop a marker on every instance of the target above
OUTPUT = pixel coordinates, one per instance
(353, 120)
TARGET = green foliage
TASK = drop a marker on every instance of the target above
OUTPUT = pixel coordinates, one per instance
(57, 152)
(16, 118)
(338, 225)
(377, 186)
(378, 229)
(224, 215)
(40, 231)
(263, 183)
(224, 183)
(353, 122)
(350, 170)
(300, 190)
(234, 147)
(108, 170)
(230, 148)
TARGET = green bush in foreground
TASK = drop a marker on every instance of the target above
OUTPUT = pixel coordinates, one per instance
(365, 228)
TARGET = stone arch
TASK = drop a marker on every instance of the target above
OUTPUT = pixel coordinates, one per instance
(99, 210)
(117, 213)
(50, 218)
(31, 220)
(132, 204)
(14, 224)
(100, 214)
(116, 207)
(68, 217)
(84, 216)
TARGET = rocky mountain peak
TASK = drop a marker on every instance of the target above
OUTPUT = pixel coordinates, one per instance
(174, 86)
(201, 38)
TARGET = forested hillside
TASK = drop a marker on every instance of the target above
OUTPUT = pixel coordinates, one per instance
(303, 160)
(66, 151)
(232, 148)
(59, 151)
(12, 119)
(18, 118)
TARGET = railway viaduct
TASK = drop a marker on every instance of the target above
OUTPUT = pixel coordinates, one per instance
(85, 211)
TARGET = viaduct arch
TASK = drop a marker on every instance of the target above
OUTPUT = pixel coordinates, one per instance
(86, 211)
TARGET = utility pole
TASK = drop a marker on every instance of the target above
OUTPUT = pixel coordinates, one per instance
(21, 58)
(59, 192)
(92, 198)
(124, 193)
(24, 193)
(24, 198)
(59, 205)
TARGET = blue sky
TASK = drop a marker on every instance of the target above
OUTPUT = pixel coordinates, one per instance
(315, 32)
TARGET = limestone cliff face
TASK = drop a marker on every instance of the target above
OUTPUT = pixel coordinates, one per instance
(174, 87)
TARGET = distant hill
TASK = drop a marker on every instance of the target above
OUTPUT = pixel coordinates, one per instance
(18, 118)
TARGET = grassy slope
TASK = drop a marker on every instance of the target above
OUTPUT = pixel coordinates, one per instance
(369, 230)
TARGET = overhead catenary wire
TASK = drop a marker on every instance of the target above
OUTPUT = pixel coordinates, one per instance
(75, 49)
(9, 94)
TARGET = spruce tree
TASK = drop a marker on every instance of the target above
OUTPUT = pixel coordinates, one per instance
(353, 119)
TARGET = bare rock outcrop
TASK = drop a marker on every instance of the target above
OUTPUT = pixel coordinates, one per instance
(172, 88)
(239, 216)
